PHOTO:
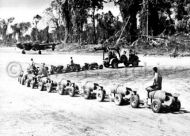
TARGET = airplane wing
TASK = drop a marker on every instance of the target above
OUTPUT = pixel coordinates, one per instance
(20, 46)
(44, 46)
(25, 46)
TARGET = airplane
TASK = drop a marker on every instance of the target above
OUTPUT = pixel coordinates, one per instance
(35, 46)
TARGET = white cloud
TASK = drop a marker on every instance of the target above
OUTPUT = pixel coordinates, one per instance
(111, 7)
(26, 13)
(21, 14)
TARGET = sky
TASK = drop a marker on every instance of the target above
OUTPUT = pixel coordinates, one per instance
(22, 10)
(25, 10)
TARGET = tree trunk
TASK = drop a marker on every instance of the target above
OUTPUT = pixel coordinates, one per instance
(129, 9)
(66, 17)
(80, 33)
(66, 36)
(94, 27)
(48, 35)
(57, 34)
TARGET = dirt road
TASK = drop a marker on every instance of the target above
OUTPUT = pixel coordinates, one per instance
(27, 112)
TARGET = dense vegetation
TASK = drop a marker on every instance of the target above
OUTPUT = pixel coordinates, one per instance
(77, 21)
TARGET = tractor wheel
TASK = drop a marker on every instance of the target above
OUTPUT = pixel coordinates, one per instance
(118, 99)
(19, 79)
(134, 101)
(23, 52)
(156, 106)
(27, 83)
(78, 69)
(87, 94)
(106, 65)
(90, 67)
(176, 106)
(126, 64)
(74, 69)
(71, 91)
(22, 81)
(114, 64)
(83, 68)
(61, 90)
(49, 87)
(39, 52)
(32, 84)
(100, 95)
(41, 86)
(52, 72)
(96, 66)
(123, 58)
(135, 64)
(100, 67)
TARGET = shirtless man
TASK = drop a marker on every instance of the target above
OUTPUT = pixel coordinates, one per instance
(157, 82)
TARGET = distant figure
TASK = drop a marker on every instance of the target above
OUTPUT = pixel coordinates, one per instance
(123, 57)
(131, 55)
(124, 52)
(72, 61)
(32, 62)
(110, 55)
(130, 52)
(114, 55)
(175, 52)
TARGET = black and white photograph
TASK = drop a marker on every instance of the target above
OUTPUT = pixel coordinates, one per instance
(94, 67)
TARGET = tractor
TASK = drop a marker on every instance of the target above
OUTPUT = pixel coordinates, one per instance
(92, 66)
(73, 68)
(42, 83)
(67, 87)
(114, 57)
(120, 94)
(38, 80)
(56, 69)
(34, 82)
(160, 101)
(45, 83)
(24, 78)
(92, 90)
(33, 76)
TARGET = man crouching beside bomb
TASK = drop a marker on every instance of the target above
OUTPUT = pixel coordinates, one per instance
(157, 85)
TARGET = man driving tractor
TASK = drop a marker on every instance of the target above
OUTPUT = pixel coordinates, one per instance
(157, 83)
(131, 55)
(43, 71)
(32, 62)
(111, 54)
(32, 68)
(72, 61)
